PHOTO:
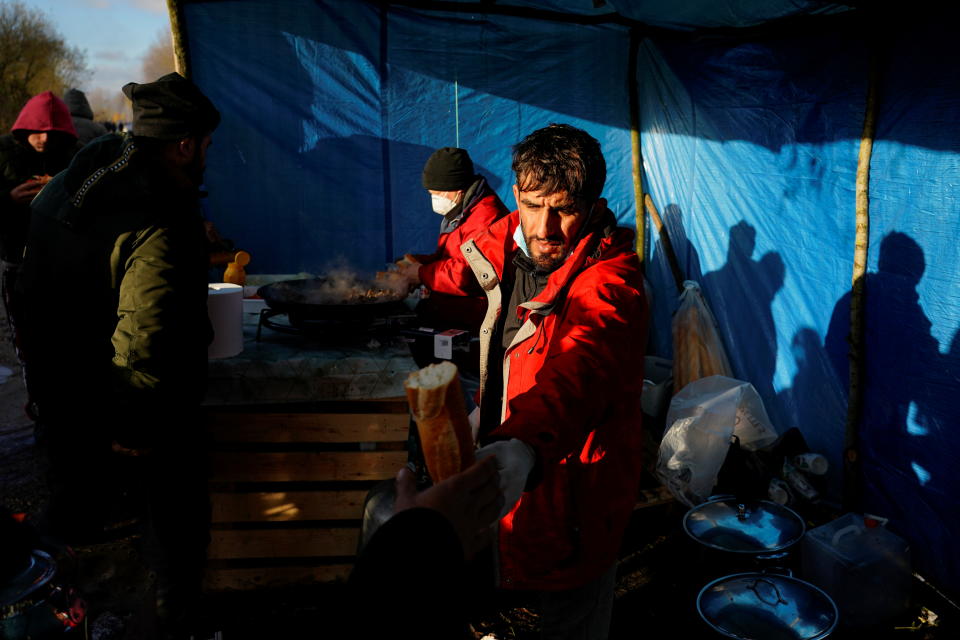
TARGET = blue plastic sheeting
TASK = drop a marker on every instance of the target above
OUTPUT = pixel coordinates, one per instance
(750, 149)
(330, 110)
(698, 14)
(686, 15)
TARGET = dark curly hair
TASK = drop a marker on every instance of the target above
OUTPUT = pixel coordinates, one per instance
(560, 158)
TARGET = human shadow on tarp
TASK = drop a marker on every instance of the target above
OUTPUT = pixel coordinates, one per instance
(815, 401)
(741, 294)
(908, 426)
(661, 278)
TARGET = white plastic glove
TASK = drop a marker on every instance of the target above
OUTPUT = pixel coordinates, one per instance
(474, 420)
(514, 462)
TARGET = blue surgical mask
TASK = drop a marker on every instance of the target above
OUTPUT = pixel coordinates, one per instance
(521, 241)
(441, 205)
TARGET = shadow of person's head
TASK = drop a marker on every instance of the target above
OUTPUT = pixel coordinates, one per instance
(743, 239)
(901, 256)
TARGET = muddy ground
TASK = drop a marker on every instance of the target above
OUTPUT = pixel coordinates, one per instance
(659, 575)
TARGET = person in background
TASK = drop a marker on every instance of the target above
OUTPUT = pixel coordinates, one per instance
(468, 205)
(40, 144)
(82, 115)
(562, 374)
(115, 330)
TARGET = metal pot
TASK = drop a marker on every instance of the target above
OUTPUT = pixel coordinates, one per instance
(33, 605)
(324, 299)
(766, 606)
(743, 535)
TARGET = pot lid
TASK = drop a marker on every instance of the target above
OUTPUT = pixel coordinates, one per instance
(744, 527)
(35, 574)
(763, 606)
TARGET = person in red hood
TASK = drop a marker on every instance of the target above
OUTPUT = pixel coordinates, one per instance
(40, 144)
(561, 371)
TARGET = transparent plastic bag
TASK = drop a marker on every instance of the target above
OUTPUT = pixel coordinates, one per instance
(700, 423)
(697, 349)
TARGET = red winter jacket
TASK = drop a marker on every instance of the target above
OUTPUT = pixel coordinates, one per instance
(19, 162)
(572, 379)
(481, 210)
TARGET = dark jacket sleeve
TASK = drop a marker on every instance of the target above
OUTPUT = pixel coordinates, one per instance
(409, 580)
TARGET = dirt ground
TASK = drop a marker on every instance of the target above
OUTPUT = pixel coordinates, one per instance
(21, 485)
(658, 577)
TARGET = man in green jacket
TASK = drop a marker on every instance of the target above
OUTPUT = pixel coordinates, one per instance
(115, 331)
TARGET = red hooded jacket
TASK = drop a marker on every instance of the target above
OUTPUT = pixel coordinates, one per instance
(572, 382)
(19, 162)
(45, 112)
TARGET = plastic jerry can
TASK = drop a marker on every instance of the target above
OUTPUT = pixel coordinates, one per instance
(866, 570)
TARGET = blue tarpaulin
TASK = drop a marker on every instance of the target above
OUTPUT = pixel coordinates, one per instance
(749, 140)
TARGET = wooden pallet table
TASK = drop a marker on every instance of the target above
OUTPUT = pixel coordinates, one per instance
(287, 487)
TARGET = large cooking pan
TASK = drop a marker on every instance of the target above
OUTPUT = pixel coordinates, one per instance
(326, 299)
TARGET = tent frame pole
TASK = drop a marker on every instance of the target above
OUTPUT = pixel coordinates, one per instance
(635, 150)
(853, 477)
(178, 30)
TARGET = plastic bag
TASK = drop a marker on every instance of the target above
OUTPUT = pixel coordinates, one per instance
(701, 421)
(697, 349)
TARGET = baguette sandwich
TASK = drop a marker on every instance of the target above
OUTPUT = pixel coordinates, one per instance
(436, 403)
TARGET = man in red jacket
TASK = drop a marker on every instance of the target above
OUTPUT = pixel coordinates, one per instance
(468, 205)
(562, 346)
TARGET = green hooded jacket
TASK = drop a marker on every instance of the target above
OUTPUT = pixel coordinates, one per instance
(113, 290)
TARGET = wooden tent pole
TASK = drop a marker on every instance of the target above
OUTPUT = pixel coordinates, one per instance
(636, 153)
(664, 241)
(178, 30)
(853, 479)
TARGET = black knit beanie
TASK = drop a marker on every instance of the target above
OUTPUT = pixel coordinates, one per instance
(171, 108)
(448, 169)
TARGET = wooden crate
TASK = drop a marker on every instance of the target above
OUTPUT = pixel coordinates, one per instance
(287, 486)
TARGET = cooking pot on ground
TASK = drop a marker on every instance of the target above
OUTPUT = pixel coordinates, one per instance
(744, 527)
(739, 535)
(767, 606)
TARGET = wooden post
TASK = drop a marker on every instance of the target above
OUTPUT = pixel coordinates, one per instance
(637, 157)
(853, 479)
(665, 242)
(178, 30)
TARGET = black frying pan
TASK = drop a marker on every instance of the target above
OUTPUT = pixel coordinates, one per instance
(318, 300)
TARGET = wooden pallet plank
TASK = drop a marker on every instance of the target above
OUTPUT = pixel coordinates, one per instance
(234, 466)
(309, 427)
(282, 543)
(268, 577)
(285, 506)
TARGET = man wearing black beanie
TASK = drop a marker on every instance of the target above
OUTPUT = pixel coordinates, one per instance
(116, 359)
(468, 205)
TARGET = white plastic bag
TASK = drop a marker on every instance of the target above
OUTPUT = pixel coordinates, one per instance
(701, 420)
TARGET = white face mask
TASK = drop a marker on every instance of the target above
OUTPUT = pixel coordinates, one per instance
(441, 205)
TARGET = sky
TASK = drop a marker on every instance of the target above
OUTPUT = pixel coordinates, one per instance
(114, 34)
